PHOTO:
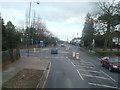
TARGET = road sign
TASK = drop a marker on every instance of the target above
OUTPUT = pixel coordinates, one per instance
(77, 44)
(41, 43)
(36, 41)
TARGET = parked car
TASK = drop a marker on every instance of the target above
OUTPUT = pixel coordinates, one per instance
(112, 63)
(54, 51)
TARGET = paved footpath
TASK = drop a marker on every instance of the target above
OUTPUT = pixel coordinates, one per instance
(24, 62)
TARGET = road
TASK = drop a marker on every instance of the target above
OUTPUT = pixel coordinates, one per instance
(67, 72)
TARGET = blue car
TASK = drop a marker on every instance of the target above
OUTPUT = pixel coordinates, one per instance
(54, 51)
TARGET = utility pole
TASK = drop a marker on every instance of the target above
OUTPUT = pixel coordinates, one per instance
(28, 37)
(93, 44)
(29, 22)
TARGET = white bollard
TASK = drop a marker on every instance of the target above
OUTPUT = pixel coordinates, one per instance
(73, 54)
(34, 49)
(67, 48)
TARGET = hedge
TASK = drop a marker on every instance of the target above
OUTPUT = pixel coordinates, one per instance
(106, 53)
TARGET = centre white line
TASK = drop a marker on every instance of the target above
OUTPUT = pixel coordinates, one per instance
(73, 64)
(80, 75)
(108, 76)
(68, 59)
(103, 85)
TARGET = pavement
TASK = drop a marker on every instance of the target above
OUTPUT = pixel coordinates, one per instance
(25, 62)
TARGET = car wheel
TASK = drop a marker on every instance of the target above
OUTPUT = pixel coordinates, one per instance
(110, 69)
(102, 64)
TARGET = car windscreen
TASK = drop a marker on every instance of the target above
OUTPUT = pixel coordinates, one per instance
(115, 60)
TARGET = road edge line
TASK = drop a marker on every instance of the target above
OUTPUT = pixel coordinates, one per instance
(80, 75)
(47, 72)
(108, 76)
(44, 77)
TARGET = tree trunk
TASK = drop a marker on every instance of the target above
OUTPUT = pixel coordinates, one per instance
(110, 41)
(105, 43)
(107, 36)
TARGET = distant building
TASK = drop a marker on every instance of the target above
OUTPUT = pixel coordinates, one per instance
(101, 28)
(116, 39)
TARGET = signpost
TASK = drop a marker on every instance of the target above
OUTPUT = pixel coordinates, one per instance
(41, 44)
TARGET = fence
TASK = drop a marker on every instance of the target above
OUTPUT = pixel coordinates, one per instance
(10, 56)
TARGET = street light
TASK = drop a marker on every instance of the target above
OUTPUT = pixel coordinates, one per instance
(29, 27)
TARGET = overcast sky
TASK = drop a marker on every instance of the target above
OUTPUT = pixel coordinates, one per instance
(64, 19)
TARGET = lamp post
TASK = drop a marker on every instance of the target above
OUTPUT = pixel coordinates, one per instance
(29, 28)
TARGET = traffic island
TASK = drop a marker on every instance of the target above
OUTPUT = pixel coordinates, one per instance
(44, 77)
(27, 72)
(26, 78)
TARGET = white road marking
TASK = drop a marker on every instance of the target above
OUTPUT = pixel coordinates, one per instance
(73, 64)
(44, 82)
(64, 52)
(85, 66)
(103, 85)
(89, 70)
(54, 57)
(34, 52)
(108, 76)
(83, 60)
(68, 59)
(45, 49)
(80, 75)
(95, 76)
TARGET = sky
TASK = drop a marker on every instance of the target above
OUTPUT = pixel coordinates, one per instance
(63, 19)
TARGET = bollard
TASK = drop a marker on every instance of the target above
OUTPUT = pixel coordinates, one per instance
(67, 48)
(73, 54)
(77, 56)
(34, 49)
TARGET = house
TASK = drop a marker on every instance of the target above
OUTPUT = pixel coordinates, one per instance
(116, 39)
